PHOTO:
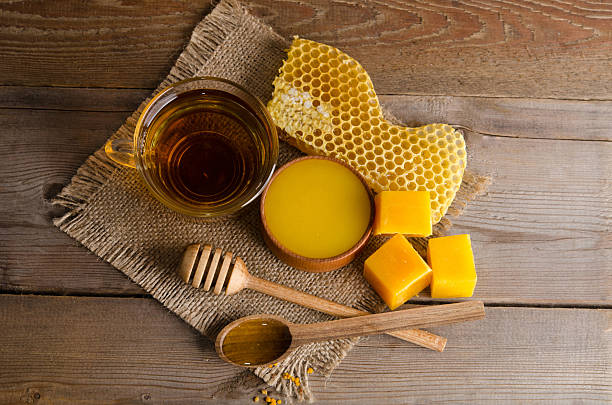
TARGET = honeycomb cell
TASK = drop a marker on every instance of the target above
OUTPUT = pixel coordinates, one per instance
(325, 102)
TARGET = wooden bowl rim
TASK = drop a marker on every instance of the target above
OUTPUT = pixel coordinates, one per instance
(318, 263)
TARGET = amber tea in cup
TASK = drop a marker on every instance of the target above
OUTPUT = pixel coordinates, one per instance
(204, 147)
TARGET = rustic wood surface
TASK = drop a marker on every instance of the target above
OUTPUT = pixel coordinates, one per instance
(525, 49)
(529, 82)
(132, 350)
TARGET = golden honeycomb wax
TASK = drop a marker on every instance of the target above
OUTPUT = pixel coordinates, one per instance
(405, 212)
(317, 208)
(452, 262)
(396, 271)
(325, 102)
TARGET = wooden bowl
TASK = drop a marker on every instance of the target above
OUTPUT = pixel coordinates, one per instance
(314, 265)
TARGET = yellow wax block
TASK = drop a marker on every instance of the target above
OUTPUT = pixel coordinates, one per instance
(452, 262)
(317, 208)
(405, 212)
(396, 271)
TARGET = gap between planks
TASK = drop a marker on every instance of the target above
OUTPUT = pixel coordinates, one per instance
(414, 302)
(528, 118)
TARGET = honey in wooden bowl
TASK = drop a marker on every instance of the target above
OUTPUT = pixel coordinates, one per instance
(317, 213)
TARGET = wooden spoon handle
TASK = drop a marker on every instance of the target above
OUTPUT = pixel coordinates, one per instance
(388, 321)
(416, 336)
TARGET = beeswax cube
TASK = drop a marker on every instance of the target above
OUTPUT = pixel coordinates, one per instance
(405, 212)
(452, 262)
(396, 271)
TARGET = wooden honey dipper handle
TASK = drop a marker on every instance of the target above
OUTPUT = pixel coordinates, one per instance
(388, 321)
(196, 270)
(416, 336)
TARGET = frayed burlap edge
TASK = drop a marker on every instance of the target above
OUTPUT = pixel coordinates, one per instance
(99, 169)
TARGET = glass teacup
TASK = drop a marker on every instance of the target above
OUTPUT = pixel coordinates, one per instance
(204, 147)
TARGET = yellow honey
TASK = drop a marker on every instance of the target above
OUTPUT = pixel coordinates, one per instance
(325, 102)
(405, 212)
(317, 208)
(452, 262)
(396, 271)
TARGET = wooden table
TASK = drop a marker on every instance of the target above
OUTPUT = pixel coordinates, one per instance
(531, 80)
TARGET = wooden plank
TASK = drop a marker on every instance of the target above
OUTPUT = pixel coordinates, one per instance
(62, 350)
(72, 99)
(102, 44)
(542, 231)
(515, 355)
(40, 151)
(516, 117)
(66, 350)
(541, 234)
(512, 117)
(541, 49)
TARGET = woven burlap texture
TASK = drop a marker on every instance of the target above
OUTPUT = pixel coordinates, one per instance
(111, 213)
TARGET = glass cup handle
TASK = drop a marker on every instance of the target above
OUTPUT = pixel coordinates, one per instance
(121, 151)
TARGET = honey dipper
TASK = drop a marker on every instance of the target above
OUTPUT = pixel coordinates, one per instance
(206, 268)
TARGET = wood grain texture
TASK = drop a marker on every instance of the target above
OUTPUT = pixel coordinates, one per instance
(428, 316)
(509, 117)
(40, 151)
(541, 234)
(514, 355)
(71, 98)
(101, 44)
(64, 350)
(543, 48)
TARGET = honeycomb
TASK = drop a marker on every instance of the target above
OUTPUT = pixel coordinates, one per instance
(325, 102)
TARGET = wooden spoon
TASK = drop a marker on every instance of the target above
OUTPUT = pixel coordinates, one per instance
(261, 340)
(196, 267)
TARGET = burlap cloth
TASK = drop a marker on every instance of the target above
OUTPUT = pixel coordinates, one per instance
(110, 212)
